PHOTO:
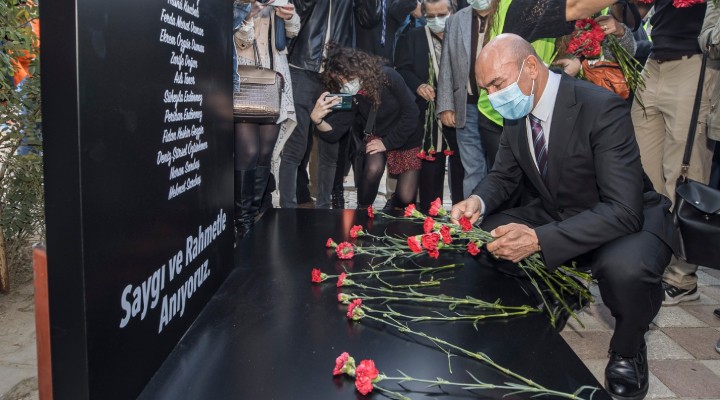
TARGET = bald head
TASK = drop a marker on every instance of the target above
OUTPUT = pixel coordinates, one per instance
(509, 58)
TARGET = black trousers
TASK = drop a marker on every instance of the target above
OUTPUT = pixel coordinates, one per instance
(629, 274)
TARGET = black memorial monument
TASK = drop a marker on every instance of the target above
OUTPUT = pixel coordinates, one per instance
(137, 110)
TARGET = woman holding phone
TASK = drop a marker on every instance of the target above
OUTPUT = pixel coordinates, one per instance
(255, 142)
(380, 92)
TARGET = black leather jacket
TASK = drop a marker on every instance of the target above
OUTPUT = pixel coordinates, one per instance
(307, 48)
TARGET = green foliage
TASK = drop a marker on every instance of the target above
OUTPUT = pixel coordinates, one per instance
(21, 176)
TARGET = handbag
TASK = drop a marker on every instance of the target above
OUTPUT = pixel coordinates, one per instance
(260, 96)
(697, 206)
(607, 74)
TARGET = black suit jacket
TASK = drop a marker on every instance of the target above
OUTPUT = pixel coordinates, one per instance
(412, 61)
(594, 190)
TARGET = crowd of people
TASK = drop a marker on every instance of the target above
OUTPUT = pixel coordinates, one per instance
(506, 95)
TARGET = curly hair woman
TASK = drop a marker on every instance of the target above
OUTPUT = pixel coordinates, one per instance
(392, 139)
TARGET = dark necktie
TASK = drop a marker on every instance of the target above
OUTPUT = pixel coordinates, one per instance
(538, 138)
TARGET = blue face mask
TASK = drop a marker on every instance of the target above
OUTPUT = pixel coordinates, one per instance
(511, 102)
(479, 5)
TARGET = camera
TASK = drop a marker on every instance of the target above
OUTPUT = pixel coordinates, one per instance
(345, 101)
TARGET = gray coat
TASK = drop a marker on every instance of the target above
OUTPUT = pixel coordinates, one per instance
(455, 66)
(711, 30)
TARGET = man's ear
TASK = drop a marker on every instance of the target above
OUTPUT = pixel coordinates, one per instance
(533, 67)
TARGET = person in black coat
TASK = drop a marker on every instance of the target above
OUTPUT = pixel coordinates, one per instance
(576, 144)
(413, 60)
(392, 139)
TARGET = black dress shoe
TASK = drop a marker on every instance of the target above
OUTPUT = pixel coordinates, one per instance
(627, 378)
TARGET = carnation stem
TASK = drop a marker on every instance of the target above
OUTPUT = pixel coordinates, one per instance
(539, 389)
(482, 385)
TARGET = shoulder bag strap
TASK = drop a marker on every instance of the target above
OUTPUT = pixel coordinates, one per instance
(431, 46)
(257, 54)
(694, 119)
(370, 124)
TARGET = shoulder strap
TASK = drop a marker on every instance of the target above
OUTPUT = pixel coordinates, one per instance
(431, 46)
(694, 119)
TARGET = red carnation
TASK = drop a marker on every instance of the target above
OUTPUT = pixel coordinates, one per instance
(414, 244)
(340, 363)
(330, 243)
(686, 3)
(429, 158)
(409, 210)
(316, 276)
(592, 50)
(448, 152)
(434, 253)
(574, 46)
(473, 249)
(345, 251)
(364, 375)
(356, 231)
(371, 212)
(465, 224)
(421, 155)
(354, 309)
(436, 208)
(428, 225)
(430, 241)
(432, 151)
(341, 279)
(445, 233)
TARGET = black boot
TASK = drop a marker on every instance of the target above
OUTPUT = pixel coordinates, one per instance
(244, 190)
(338, 198)
(390, 204)
(262, 175)
(627, 378)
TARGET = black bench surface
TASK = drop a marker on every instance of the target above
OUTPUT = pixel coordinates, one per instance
(269, 333)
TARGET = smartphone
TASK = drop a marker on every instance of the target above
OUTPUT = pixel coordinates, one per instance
(279, 3)
(345, 101)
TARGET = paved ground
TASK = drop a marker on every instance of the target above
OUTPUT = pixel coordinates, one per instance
(681, 343)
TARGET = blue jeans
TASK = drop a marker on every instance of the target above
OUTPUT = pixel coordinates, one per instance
(472, 152)
(306, 89)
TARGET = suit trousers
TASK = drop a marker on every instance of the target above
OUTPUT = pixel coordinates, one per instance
(306, 89)
(628, 271)
(661, 131)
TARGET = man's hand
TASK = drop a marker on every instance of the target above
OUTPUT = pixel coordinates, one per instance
(513, 242)
(426, 92)
(470, 208)
(448, 118)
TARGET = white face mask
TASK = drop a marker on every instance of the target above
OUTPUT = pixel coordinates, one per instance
(479, 5)
(437, 24)
(351, 87)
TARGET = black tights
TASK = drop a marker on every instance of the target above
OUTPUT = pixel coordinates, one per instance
(254, 144)
(407, 183)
